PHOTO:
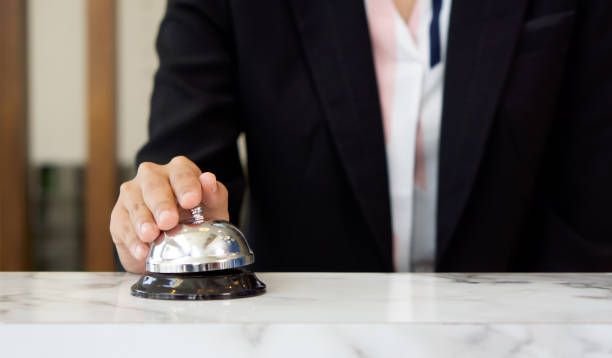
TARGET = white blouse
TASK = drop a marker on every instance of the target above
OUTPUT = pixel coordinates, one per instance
(409, 59)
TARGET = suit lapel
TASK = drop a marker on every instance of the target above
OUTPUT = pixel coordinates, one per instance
(336, 42)
(482, 38)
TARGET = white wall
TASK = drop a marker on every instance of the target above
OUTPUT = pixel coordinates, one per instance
(56, 81)
(137, 24)
(58, 77)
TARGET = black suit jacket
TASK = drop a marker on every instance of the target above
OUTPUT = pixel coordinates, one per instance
(525, 178)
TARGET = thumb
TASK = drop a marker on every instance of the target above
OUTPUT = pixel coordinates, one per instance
(214, 197)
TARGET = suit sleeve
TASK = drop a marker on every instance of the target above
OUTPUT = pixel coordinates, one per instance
(582, 184)
(194, 106)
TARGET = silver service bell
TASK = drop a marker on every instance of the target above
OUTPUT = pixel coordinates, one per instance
(196, 245)
(199, 260)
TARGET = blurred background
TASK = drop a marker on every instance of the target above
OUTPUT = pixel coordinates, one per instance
(76, 78)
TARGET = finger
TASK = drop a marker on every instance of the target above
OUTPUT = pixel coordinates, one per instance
(159, 198)
(132, 252)
(214, 197)
(183, 176)
(141, 218)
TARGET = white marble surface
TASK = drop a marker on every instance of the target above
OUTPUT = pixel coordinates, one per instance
(315, 314)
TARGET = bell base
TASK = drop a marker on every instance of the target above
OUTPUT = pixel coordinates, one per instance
(211, 285)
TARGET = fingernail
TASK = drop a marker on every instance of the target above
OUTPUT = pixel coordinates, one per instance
(189, 197)
(146, 228)
(165, 216)
(211, 181)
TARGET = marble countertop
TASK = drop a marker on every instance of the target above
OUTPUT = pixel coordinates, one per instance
(340, 314)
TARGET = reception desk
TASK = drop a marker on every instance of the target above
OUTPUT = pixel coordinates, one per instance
(312, 315)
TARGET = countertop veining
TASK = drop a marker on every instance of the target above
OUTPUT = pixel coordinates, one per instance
(313, 315)
(69, 297)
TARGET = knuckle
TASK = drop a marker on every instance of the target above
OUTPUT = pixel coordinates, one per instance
(125, 187)
(181, 162)
(179, 159)
(145, 167)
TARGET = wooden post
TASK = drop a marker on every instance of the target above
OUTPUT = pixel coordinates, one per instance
(101, 170)
(14, 238)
